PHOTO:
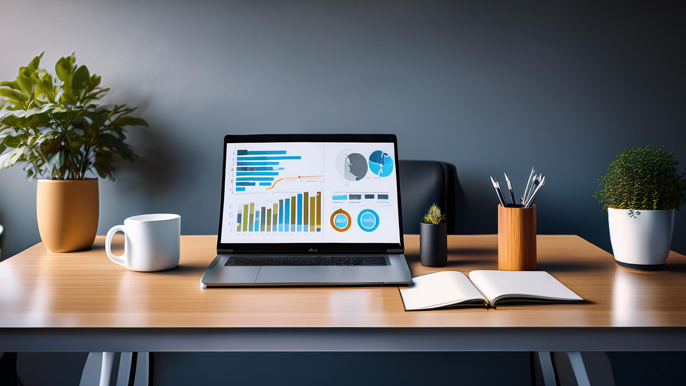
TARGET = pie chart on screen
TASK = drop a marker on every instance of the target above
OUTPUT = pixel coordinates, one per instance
(352, 165)
(381, 163)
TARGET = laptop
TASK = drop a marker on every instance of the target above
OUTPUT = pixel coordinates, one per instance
(309, 210)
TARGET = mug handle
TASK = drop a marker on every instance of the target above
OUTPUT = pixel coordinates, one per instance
(108, 245)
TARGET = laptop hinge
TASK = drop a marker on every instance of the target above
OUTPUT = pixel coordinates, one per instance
(224, 251)
(396, 250)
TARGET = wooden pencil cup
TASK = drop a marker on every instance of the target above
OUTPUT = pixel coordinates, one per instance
(517, 238)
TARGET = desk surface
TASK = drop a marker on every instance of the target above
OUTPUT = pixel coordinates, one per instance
(84, 289)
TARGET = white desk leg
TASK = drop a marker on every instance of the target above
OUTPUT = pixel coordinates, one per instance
(579, 369)
(546, 362)
(106, 370)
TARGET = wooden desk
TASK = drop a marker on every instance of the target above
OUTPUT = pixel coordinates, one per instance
(83, 302)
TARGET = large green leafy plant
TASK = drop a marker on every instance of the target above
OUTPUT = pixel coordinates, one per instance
(642, 179)
(56, 126)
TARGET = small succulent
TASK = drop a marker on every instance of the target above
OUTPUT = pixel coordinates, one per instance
(434, 216)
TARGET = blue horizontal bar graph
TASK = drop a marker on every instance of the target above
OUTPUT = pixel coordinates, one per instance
(257, 173)
(260, 152)
(258, 167)
(253, 179)
(340, 197)
(252, 168)
(259, 163)
(268, 158)
(240, 189)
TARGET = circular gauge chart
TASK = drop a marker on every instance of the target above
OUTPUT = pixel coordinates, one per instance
(352, 166)
(381, 163)
(340, 220)
(368, 220)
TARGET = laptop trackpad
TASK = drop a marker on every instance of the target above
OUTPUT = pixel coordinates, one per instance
(300, 274)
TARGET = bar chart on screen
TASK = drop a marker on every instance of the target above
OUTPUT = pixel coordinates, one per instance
(272, 170)
(281, 213)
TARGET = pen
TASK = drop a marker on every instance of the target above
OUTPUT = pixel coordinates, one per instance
(509, 187)
(532, 187)
(498, 193)
(535, 193)
(528, 185)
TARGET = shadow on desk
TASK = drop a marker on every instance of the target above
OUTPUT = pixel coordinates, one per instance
(472, 251)
(181, 270)
(674, 267)
(553, 267)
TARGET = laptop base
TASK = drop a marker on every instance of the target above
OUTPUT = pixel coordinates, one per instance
(220, 275)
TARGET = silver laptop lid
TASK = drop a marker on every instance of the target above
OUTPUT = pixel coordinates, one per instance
(310, 193)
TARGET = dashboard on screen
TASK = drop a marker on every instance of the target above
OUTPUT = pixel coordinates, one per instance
(310, 192)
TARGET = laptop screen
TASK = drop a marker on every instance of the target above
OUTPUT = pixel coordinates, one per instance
(310, 192)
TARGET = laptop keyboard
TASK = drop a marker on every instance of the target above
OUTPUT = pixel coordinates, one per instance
(371, 260)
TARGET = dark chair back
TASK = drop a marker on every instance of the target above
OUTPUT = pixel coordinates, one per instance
(423, 183)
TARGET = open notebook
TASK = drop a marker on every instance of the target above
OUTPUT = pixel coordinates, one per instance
(451, 288)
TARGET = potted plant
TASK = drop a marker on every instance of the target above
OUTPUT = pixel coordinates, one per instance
(433, 238)
(57, 129)
(640, 192)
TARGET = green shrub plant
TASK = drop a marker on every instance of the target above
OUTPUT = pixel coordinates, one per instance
(642, 179)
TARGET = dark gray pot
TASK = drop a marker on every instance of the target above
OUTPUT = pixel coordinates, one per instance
(433, 244)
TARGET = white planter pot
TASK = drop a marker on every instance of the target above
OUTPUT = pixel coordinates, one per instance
(642, 241)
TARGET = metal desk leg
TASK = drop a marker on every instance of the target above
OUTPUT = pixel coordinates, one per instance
(127, 368)
(134, 369)
(90, 375)
(106, 370)
(579, 369)
(546, 362)
(143, 370)
(98, 369)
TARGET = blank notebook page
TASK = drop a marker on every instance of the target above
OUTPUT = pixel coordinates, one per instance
(439, 289)
(521, 284)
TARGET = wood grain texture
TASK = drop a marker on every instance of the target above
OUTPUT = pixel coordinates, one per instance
(85, 289)
(517, 239)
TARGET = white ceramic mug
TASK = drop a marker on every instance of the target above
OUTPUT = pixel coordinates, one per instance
(152, 242)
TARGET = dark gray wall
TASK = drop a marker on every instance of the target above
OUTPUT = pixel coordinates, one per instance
(491, 87)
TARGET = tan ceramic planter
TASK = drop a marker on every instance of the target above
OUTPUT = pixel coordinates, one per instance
(67, 213)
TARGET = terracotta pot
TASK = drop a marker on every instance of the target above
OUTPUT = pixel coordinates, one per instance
(67, 213)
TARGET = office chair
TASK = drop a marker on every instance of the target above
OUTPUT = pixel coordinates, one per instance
(423, 183)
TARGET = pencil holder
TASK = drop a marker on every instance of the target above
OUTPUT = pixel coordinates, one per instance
(516, 238)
